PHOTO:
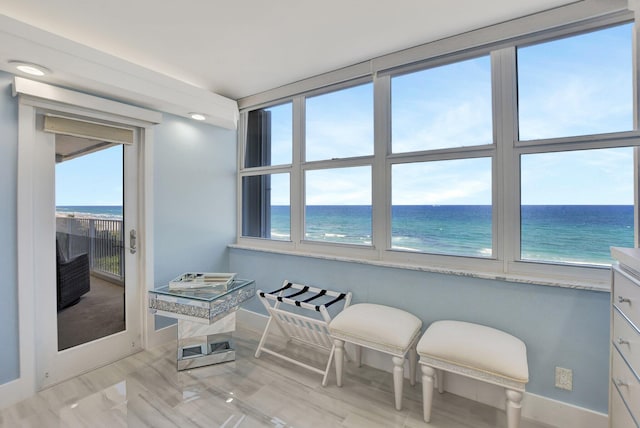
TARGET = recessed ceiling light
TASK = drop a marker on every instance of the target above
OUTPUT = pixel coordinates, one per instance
(29, 68)
(197, 116)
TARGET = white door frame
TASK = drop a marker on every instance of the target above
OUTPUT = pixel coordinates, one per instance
(52, 365)
(37, 97)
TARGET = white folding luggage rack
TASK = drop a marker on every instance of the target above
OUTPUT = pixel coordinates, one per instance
(301, 328)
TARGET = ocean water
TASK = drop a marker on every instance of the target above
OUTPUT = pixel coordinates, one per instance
(575, 233)
(100, 211)
(580, 234)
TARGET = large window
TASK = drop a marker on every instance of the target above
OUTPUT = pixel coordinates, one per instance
(266, 207)
(443, 205)
(510, 160)
(339, 132)
(576, 204)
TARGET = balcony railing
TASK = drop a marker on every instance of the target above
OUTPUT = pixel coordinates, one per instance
(102, 239)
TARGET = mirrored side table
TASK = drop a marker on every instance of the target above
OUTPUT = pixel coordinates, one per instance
(206, 320)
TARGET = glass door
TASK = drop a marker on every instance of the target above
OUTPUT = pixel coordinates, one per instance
(90, 311)
(90, 259)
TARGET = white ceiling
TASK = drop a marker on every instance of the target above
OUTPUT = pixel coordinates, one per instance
(232, 48)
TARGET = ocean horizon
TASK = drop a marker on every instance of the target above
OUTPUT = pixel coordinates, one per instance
(579, 234)
(100, 211)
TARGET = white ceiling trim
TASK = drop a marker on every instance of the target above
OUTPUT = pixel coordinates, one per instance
(102, 74)
(43, 91)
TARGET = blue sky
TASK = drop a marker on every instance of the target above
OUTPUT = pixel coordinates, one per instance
(93, 179)
(574, 86)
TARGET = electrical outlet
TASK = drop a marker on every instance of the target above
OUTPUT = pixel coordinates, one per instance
(564, 378)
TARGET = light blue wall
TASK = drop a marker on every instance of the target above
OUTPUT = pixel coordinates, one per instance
(561, 327)
(9, 356)
(194, 198)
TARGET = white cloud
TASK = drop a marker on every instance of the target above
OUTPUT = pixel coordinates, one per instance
(457, 182)
(348, 137)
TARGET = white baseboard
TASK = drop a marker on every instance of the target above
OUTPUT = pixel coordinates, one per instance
(534, 407)
(15, 391)
(553, 412)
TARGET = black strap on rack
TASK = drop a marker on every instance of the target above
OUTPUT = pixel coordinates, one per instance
(302, 291)
(337, 299)
(289, 284)
(320, 294)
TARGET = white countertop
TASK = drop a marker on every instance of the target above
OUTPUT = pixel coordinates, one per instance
(629, 257)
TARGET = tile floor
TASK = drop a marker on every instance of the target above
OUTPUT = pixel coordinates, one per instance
(146, 390)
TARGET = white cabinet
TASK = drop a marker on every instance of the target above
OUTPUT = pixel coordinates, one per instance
(624, 386)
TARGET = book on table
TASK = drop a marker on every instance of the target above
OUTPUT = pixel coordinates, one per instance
(197, 280)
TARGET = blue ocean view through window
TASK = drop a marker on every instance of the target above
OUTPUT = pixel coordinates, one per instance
(580, 234)
(577, 234)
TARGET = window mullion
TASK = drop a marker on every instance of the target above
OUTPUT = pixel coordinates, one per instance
(506, 199)
(242, 139)
(296, 186)
(381, 180)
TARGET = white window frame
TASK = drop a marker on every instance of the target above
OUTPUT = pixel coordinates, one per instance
(464, 264)
(505, 263)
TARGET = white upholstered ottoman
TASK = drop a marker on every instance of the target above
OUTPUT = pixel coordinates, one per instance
(381, 328)
(475, 351)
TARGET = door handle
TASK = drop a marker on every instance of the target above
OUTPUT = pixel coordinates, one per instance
(621, 382)
(132, 241)
(621, 341)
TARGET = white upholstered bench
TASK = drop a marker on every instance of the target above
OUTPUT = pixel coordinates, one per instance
(475, 351)
(381, 328)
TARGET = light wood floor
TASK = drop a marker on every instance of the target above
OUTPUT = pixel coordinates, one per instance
(145, 390)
